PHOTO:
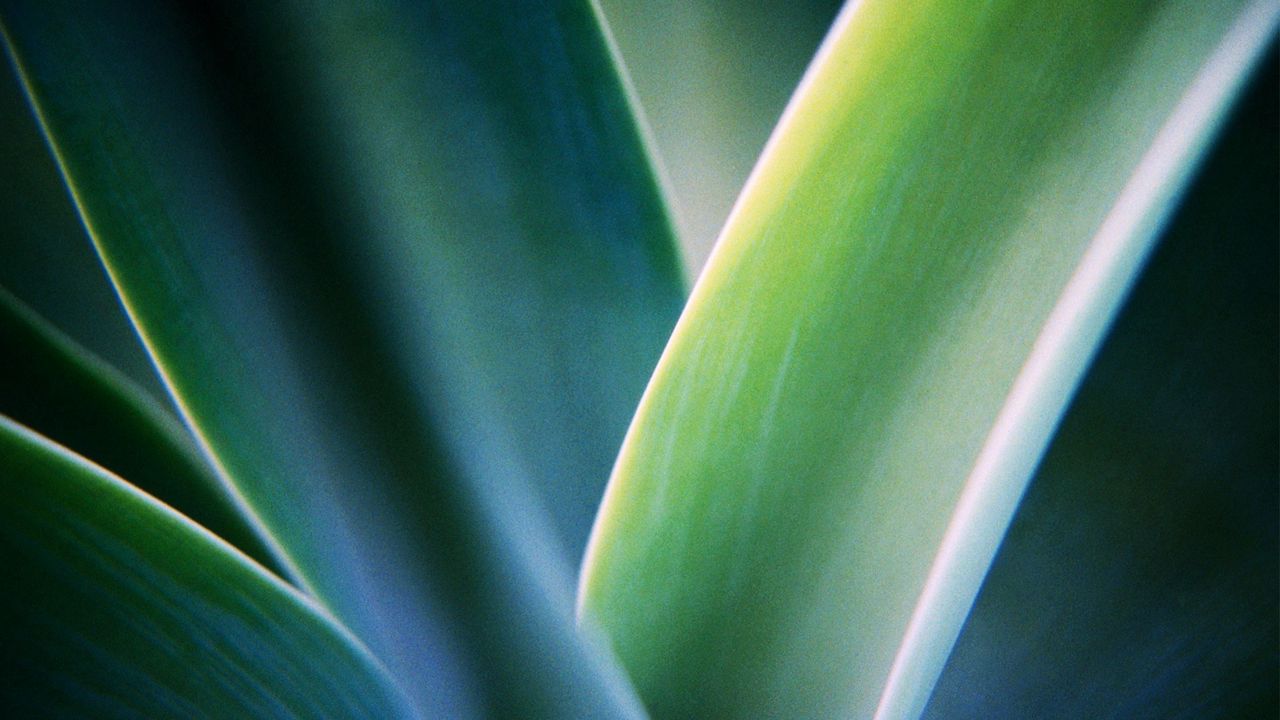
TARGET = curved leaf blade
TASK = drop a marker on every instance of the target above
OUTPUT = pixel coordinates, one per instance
(403, 268)
(46, 258)
(116, 606)
(713, 78)
(1139, 576)
(902, 302)
(65, 393)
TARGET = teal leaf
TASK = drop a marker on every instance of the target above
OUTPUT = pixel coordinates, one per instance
(46, 258)
(57, 388)
(115, 606)
(404, 269)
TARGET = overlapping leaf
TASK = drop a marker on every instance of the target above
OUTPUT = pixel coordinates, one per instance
(62, 391)
(713, 77)
(115, 606)
(881, 345)
(46, 260)
(405, 270)
(1139, 577)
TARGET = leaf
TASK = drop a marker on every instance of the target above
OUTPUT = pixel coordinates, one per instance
(713, 77)
(60, 390)
(896, 314)
(1139, 576)
(405, 270)
(116, 606)
(46, 258)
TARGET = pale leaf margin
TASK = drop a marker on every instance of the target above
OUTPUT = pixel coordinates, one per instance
(260, 583)
(237, 498)
(1059, 358)
(1060, 353)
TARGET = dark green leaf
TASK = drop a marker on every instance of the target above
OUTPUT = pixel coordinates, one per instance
(115, 606)
(405, 270)
(46, 258)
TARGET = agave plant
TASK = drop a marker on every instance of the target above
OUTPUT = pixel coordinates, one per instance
(406, 271)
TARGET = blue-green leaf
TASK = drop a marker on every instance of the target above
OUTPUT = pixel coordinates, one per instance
(405, 269)
(115, 606)
(46, 258)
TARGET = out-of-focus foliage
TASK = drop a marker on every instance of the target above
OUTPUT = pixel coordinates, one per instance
(406, 267)
(406, 270)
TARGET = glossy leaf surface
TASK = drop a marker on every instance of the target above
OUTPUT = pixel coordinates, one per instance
(115, 606)
(868, 370)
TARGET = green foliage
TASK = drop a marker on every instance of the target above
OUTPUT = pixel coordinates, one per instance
(117, 606)
(404, 269)
(713, 77)
(63, 392)
(878, 351)
(403, 499)
(1148, 534)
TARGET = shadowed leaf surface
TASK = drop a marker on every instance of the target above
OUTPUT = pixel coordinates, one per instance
(1139, 578)
(405, 269)
(63, 392)
(46, 258)
(115, 606)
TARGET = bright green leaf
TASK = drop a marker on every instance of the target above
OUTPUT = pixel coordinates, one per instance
(713, 77)
(896, 314)
(115, 606)
(405, 270)
(65, 393)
